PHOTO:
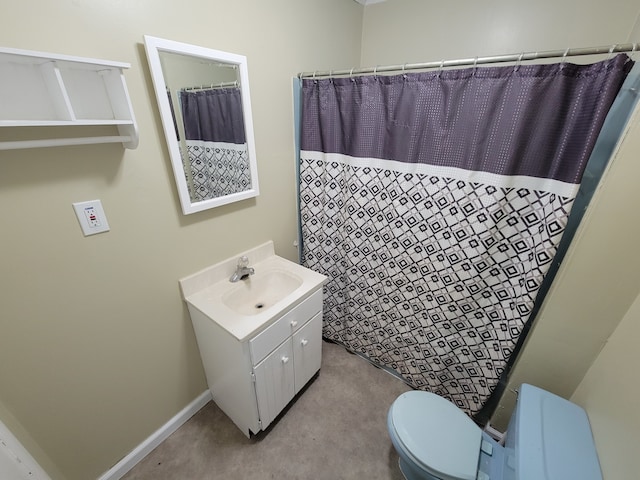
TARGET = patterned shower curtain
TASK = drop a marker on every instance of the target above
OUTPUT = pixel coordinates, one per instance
(218, 159)
(435, 203)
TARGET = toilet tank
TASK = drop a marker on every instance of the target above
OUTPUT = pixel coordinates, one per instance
(549, 438)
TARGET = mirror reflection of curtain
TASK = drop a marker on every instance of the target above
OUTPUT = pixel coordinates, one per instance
(216, 142)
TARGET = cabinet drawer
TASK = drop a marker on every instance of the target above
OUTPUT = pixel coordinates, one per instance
(263, 343)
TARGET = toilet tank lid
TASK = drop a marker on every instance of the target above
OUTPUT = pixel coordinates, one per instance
(554, 438)
(438, 435)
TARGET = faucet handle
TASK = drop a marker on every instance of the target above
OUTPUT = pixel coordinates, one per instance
(243, 261)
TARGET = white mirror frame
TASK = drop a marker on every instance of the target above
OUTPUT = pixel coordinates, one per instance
(154, 46)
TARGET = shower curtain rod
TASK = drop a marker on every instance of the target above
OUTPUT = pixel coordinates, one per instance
(212, 86)
(513, 57)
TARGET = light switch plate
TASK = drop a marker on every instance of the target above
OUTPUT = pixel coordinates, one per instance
(91, 217)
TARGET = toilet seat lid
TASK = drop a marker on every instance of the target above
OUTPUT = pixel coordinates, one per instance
(439, 436)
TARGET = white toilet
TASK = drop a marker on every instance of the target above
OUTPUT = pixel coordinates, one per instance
(548, 438)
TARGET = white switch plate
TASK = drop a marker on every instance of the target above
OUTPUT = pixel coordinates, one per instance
(91, 217)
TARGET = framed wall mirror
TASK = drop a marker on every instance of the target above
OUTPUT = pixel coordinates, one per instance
(204, 102)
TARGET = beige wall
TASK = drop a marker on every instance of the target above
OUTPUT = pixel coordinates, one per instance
(399, 31)
(96, 347)
(610, 393)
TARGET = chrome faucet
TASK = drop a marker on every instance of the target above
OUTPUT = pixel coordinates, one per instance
(243, 270)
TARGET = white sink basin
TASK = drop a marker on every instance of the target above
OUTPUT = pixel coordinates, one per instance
(260, 291)
(247, 306)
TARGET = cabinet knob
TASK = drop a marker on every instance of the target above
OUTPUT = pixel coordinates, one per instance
(285, 359)
(304, 342)
(294, 323)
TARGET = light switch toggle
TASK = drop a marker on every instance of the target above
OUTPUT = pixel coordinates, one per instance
(91, 217)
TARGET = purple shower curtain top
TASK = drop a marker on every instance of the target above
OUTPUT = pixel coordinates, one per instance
(213, 115)
(529, 120)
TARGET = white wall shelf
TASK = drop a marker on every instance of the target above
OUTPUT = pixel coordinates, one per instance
(40, 89)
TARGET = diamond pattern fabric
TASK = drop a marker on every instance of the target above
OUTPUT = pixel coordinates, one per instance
(435, 203)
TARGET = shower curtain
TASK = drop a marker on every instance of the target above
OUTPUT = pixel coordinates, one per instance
(218, 159)
(435, 203)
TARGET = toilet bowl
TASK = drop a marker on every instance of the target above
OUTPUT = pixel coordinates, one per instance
(434, 439)
(548, 438)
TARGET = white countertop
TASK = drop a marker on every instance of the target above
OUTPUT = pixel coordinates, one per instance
(205, 290)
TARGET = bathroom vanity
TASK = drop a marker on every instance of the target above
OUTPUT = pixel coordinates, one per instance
(260, 338)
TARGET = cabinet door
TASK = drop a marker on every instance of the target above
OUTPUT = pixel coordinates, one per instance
(307, 351)
(274, 383)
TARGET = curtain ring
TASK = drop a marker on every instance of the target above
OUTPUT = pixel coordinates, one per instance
(517, 66)
(351, 75)
(314, 76)
(440, 68)
(613, 47)
(633, 50)
(475, 66)
(404, 73)
(564, 58)
(375, 72)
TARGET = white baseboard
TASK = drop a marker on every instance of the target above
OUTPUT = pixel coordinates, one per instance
(137, 454)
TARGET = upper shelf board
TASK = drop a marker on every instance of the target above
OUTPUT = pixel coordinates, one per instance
(46, 89)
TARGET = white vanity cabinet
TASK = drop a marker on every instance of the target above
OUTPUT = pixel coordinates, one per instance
(253, 380)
